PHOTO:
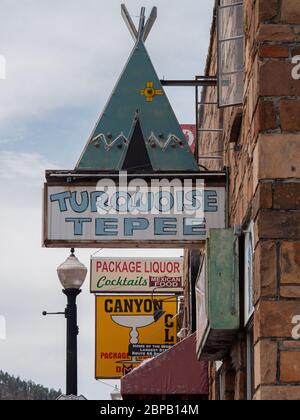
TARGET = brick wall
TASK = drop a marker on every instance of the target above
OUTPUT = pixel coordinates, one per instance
(265, 187)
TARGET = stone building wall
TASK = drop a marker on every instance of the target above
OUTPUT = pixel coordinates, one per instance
(263, 160)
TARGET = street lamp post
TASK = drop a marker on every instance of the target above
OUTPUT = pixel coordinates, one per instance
(72, 274)
(72, 333)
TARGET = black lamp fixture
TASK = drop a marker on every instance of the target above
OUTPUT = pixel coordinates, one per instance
(72, 274)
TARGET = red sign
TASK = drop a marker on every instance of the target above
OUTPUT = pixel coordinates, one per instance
(189, 130)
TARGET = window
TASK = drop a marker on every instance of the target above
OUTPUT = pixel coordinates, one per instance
(201, 302)
(230, 52)
(194, 263)
(248, 270)
(220, 388)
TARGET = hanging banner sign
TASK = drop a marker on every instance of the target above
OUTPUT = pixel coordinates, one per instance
(162, 213)
(125, 322)
(136, 275)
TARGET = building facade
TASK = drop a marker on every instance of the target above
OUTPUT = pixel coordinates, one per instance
(250, 124)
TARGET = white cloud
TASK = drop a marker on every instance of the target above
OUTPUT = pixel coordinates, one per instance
(69, 53)
(14, 165)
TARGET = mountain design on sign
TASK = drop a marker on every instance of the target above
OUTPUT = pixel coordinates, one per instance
(138, 130)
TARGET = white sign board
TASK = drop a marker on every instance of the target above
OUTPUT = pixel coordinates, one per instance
(95, 216)
(136, 275)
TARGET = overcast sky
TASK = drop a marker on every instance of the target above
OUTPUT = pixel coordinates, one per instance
(63, 59)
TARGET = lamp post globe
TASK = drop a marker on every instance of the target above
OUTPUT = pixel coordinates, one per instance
(72, 274)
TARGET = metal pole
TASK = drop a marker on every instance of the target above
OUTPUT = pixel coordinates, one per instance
(72, 333)
(197, 125)
(199, 81)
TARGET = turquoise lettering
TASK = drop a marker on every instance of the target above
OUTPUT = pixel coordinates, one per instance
(78, 224)
(61, 198)
(134, 224)
(106, 227)
(83, 206)
(165, 226)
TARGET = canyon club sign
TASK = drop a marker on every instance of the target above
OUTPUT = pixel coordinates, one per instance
(136, 275)
(128, 324)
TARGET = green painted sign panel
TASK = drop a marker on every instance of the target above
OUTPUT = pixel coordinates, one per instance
(218, 295)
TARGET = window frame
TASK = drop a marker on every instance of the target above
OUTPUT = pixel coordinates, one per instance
(221, 42)
(248, 272)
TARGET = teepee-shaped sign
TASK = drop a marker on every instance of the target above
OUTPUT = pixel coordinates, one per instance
(138, 130)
